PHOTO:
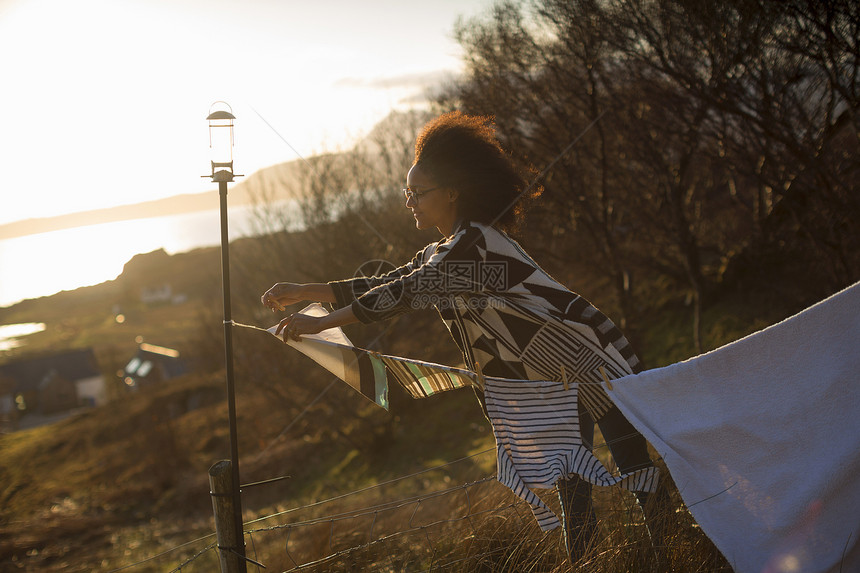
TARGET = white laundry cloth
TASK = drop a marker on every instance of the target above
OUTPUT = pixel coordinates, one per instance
(762, 438)
(332, 350)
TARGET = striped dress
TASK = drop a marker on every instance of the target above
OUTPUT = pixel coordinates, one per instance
(503, 311)
(533, 339)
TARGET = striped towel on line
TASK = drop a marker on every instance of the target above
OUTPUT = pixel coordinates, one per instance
(367, 372)
(535, 423)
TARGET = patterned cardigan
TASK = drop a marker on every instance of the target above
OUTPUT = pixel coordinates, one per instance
(502, 310)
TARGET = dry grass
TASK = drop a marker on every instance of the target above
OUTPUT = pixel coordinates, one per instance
(117, 486)
(500, 536)
(122, 484)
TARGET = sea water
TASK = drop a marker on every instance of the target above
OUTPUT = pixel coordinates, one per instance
(38, 265)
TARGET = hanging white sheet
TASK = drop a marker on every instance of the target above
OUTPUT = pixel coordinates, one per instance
(762, 438)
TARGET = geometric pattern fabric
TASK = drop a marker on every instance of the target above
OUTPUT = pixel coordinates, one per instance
(503, 311)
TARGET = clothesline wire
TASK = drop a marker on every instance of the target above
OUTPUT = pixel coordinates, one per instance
(593, 447)
(372, 342)
(368, 488)
(388, 325)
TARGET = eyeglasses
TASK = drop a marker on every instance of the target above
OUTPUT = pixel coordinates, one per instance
(413, 194)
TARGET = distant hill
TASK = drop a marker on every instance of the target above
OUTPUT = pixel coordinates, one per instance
(270, 182)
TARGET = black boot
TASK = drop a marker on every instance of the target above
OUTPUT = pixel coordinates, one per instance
(658, 510)
(580, 523)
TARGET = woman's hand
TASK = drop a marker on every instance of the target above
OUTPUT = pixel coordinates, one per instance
(282, 295)
(297, 324)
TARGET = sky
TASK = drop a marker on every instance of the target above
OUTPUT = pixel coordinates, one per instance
(104, 102)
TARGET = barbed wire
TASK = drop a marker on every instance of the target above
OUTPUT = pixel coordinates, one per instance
(300, 508)
(354, 514)
(166, 552)
(390, 506)
(402, 532)
(196, 556)
(368, 488)
(375, 509)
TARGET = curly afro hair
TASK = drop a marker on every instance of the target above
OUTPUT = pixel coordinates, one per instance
(462, 152)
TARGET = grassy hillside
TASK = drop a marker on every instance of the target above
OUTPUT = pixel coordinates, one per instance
(116, 485)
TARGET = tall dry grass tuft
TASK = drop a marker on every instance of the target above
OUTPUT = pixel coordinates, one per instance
(485, 528)
(510, 541)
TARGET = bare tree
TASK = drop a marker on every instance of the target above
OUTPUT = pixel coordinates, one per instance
(784, 75)
(548, 83)
(717, 133)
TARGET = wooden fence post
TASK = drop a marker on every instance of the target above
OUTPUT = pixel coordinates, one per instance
(221, 490)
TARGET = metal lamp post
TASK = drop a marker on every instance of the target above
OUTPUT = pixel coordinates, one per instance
(221, 144)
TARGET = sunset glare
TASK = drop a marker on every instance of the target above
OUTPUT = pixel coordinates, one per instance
(105, 102)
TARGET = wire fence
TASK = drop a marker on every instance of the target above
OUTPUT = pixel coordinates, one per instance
(379, 525)
(361, 527)
(379, 529)
(333, 531)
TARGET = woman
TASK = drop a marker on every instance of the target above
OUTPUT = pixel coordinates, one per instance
(502, 309)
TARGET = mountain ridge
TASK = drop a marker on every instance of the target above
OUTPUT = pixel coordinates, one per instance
(266, 184)
(243, 193)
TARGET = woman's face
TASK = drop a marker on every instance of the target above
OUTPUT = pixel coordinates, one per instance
(431, 204)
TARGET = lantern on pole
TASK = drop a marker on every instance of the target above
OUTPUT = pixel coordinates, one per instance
(221, 146)
(221, 141)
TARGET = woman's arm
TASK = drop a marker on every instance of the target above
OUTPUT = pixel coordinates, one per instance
(346, 291)
(284, 294)
(446, 268)
(297, 324)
